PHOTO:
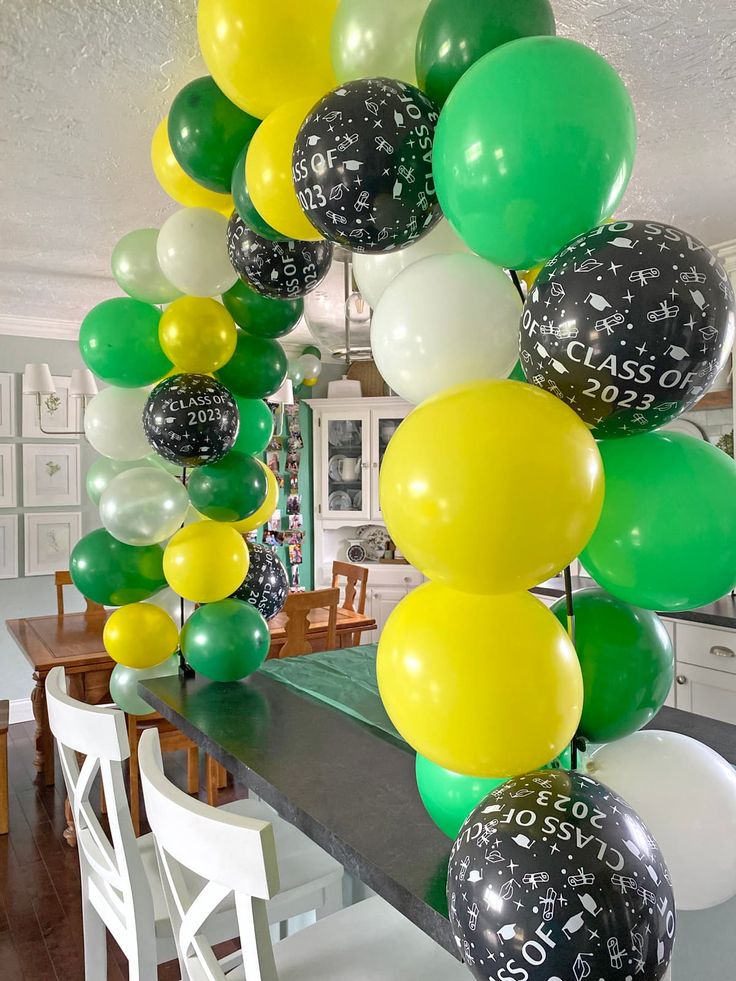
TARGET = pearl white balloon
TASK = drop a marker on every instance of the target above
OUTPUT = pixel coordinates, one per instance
(124, 683)
(113, 423)
(311, 367)
(144, 506)
(685, 793)
(192, 252)
(374, 272)
(445, 320)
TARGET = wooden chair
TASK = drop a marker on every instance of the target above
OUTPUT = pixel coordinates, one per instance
(62, 579)
(121, 884)
(208, 857)
(297, 608)
(4, 718)
(356, 581)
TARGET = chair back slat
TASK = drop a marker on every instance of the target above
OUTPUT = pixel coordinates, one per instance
(297, 608)
(233, 854)
(63, 578)
(356, 580)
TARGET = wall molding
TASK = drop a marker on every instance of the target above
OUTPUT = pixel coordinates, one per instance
(61, 330)
(21, 710)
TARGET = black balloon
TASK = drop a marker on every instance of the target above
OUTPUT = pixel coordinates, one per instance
(554, 878)
(363, 165)
(267, 585)
(284, 268)
(629, 324)
(191, 420)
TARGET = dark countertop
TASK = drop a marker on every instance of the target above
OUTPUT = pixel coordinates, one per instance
(722, 613)
(348, 786)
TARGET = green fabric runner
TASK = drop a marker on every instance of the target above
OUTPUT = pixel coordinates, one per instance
(345, 679)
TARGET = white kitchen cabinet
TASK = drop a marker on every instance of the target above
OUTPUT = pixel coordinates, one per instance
(382, 600)
(706, 692)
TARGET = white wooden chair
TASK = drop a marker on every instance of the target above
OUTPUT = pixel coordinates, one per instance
(121, 885)
(236, 857)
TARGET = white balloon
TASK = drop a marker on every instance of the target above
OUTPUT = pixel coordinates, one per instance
(374, 272)
(144, 506)
(445, 320)
(113, 423)
(685, 793)
(192, 252)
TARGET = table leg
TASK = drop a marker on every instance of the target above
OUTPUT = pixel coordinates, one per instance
(70, 832)
(44, 759)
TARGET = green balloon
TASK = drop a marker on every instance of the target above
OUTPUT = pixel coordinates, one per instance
(449, 797)
(244, 203)
(230, 489)
(136, 269)
(262, 316)
(534, 146)
(454, 34)
(124, 684)
(256, 426)
(256, 369)
(207, 132)
(666, 538)
(627, 661)
(109, 572)
(225, 641)
(119, 343)
(103, 470)
(518, 373)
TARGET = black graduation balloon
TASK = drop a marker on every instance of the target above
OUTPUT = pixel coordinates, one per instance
(284, 268)
(629, 324)
(554, 878)
(267, 585)
(362, 165)
(191, 419)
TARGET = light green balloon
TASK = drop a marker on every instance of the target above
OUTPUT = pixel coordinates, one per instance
(376, 38)
(103, 471)
(144, 506)
(167, 465)
(136, 269)
(124, 684)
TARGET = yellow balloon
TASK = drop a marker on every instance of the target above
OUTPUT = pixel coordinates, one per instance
(179, 185)
(488, 686)
(264, 512)
(197, 334)
(262, 54)
(205, 561)
(268, 174)
(140, 635)
(491, 487)
(530, 275)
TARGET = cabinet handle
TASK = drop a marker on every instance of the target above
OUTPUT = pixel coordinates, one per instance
(374, 465)
(375, 595)
(365, 466)
(719, 651)
(407, 578)
(681, 679)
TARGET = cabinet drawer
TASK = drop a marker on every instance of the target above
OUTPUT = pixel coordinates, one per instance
(709, 647)
(706, 692)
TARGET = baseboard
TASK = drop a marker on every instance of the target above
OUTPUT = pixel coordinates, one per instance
(21, 710)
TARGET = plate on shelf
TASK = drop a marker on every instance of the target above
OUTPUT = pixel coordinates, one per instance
(334, 466)
(339, 501)
(374, 539)
(343, 433)
(357, 499)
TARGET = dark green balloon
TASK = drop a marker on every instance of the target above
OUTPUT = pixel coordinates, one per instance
(449, 797)
(256, 426)
(244, 203)
(627, 661)
(262, 316)
(119, 343)
(454, 34)
(225, 641)
(114, 574)
(257, 368)
(231, 489)
(207, 132)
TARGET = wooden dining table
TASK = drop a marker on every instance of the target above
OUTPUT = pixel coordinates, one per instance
(74, 641)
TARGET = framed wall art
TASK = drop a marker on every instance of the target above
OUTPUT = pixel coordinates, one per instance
(7, 403)
(61, 415)
(8, 546)
(50, 475)
(49, 540)
(8, 498)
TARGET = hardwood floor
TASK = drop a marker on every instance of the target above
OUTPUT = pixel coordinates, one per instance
(40, 913)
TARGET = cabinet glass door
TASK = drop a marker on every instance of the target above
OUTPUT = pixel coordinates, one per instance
(345, 488)
(384, 424)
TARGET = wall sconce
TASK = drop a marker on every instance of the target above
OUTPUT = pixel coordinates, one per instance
(282, 397)
(37, 381)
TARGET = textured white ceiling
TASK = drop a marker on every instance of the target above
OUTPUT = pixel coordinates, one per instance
(84, 82)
